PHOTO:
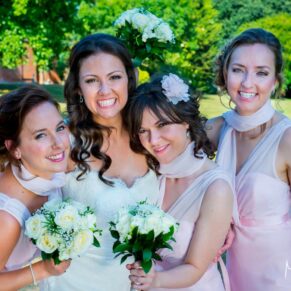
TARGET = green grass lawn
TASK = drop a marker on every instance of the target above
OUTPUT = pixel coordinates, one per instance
(213, 105)
(210, 105)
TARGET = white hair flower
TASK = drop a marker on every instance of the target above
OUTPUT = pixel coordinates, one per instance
(175, 89)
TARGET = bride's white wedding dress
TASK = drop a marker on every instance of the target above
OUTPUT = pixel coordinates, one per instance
(97, 269)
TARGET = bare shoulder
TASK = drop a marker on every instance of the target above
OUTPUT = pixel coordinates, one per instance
(286, 138)
(285, 146)
(213, 127)
(8, 223)
(219, 193)
(10, 229)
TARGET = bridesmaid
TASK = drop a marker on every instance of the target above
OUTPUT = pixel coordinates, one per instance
(34, 147)
(254, 143)
(166, 126)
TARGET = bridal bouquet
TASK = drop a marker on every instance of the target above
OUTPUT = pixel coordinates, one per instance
(62, 230)
(140, 231)
(144, 34)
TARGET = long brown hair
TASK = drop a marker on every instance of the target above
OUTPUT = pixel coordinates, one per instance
(87, 133)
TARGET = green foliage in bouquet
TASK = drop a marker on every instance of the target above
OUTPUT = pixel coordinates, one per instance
(140, 231)
(143, 247)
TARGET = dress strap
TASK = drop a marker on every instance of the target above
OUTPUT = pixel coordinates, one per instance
(15, 208)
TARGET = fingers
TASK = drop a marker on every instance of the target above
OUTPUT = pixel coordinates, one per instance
(56, 270)
(141, 280)
(141, 283)
(137, 272)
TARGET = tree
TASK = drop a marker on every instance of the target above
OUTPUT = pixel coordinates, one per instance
(51, 30)
(48, 29)
(279, 25)
(233, 13)
(194, 24)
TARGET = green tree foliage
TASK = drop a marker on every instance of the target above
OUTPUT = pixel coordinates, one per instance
(280, 25)
(44, 26)
(233, 13)
(194, 24)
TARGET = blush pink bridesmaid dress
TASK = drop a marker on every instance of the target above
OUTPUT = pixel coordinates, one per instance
(260, 256)
(186, 210)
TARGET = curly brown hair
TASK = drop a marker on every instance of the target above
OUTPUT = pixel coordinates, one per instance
(87, 133)
(249, 37)
(150, 96)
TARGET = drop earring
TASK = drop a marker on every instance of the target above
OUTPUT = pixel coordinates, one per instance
(17, 156)
(81, 99)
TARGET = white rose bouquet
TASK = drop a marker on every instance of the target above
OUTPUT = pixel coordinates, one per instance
(140, 231)
(144, 34)
(62, 230)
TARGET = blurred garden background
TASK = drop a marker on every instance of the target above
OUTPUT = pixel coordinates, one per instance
(37, 35)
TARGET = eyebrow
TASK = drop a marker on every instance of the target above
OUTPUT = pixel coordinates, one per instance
(259, 67)
(44, 129)
(93, 75)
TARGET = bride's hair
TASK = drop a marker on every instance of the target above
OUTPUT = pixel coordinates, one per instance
(88, 135)
(150, 96)
(14, 107)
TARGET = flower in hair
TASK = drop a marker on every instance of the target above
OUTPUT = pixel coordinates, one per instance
(175, 89)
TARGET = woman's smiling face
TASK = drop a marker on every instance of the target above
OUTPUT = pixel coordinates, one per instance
(165, 140)
(251, 77)
(103, 82)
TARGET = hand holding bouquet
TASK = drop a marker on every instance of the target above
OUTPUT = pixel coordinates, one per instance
(144, 34)
(140, 231)
(62, 230)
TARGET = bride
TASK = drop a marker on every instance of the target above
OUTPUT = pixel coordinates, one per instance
(107, 173)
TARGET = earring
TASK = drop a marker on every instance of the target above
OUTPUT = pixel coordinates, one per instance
(188, 133)
(81, 99)
(17, 156)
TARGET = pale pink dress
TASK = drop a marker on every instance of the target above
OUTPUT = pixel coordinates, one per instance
(260, 257)
(186, 210)
(24, 250)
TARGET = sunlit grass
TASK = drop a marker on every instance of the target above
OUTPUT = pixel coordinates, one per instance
(213, 105)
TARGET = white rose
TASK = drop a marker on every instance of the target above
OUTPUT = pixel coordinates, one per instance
(65, 252)
(148, 32)
(87, 221)
(164, 33)
(139, 21)
(154, 20)
(167, 222)
(82, 240)
(125, 17)
(153, 222)
(175, 89)
(66, 218)
(34, 226)
(47, 243)
(123, 225)
(139, 222)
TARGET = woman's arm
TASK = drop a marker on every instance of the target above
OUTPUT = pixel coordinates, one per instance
(10, 231)
(209, 235)
(283, 160)
(213, 128)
